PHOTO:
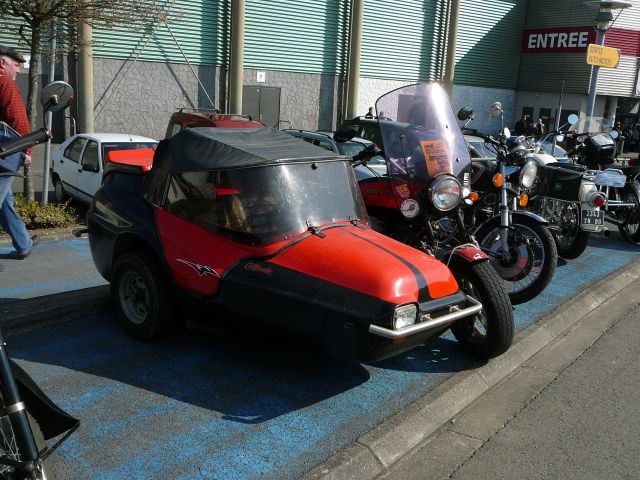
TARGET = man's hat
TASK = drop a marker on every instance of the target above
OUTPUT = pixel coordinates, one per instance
(13, 53)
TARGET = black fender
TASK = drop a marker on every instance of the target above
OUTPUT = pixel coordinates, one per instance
(52, 420)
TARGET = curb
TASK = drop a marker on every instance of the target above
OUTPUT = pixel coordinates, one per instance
(375, 452)
(24, 315)
(46, 235)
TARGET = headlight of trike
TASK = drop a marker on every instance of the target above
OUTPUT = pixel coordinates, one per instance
(404, 316)
(445, 192)
(528, 174)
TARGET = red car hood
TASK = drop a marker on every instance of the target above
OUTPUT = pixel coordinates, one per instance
(368, 262)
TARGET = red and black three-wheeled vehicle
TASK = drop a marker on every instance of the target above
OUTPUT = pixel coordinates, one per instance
(270, 227)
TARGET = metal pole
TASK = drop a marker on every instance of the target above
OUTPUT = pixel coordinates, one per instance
(558, 115)
(47, 147)
(591, 101)
(452, 41)
(85, 79)
(355, 47)
(236, 63)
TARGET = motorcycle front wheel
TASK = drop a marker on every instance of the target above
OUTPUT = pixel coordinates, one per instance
(630, 227)
(530, 262)
(9, 448)
(490, 332)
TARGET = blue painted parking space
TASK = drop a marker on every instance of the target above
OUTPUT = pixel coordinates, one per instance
(237, 403)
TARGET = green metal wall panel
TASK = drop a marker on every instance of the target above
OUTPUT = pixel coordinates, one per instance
(200, 27)
(307, 36)
(489, 35)
(403, 40)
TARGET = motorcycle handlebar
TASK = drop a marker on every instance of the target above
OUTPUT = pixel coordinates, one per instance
(24, 142)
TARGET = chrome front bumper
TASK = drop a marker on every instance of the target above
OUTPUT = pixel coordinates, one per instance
(427, 322)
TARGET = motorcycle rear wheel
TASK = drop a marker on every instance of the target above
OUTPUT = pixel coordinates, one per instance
(571, 246)
(8, 447)
(532, 256)
(490, 332)
(630, 228)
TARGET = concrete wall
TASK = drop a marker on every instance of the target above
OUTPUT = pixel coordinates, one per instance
(140, 97)
(479, 99)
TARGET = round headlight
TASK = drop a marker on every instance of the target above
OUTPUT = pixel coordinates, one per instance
(518, 152)
(528, 174)
(404, 316)
(445, 192)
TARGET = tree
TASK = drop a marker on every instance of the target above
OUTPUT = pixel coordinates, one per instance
(34, 26)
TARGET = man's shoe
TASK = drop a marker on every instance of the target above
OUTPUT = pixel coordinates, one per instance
(35, 240)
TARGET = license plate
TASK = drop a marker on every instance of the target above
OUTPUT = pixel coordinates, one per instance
(592, 217)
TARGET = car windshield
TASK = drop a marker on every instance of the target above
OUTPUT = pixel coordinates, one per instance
(263, 205)
(481, 149)
(110, 146)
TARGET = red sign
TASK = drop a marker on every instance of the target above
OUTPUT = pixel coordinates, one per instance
(558, 40)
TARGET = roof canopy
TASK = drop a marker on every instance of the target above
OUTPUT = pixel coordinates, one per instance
(220, 148)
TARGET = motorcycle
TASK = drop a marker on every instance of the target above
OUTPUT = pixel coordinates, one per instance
(424, 182)
(595, 149)
(561, 192)
(28, 418)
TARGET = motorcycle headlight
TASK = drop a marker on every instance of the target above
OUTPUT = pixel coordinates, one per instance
(404, 316)
(445, 192)
(528, 174)
(518, 152)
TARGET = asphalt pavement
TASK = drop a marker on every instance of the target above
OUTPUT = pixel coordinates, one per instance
(262, 411)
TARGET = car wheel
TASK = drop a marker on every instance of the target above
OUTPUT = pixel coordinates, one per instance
(142, 296)
(61, 195)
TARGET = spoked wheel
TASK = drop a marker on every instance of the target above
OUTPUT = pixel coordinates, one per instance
(572, 241)
(630, 228)
(9, 448)
(142, 295)
(528, 265)
(490, 332)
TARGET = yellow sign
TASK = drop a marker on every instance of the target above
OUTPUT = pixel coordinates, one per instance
(606, 57)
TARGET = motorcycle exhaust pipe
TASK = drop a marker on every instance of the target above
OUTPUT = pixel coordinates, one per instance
(612, 219)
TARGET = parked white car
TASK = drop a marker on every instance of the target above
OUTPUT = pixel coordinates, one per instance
(78, 163)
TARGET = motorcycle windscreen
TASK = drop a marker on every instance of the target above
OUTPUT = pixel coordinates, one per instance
(591, 125)
(420, 135)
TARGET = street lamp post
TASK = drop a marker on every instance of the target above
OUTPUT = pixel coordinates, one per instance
(603, 21)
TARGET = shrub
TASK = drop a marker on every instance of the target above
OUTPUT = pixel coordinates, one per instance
(52, 215)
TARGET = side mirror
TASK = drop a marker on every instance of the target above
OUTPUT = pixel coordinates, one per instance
(496, 109)
(573, 119)
(56, 96)
(614, 134)
(465, 113)
(506, 132)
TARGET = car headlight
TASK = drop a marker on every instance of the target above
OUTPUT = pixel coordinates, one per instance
(445, 192)
(528, 174)
(404, 316)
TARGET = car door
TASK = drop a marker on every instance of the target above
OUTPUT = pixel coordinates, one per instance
(89, 172)
(69, 164)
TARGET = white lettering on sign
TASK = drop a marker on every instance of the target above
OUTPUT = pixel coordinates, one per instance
(557, 40)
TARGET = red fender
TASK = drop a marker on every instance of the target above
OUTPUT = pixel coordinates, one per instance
(469, 253)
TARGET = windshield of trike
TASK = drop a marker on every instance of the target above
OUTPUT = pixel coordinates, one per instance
(263, 205)
(420, 135)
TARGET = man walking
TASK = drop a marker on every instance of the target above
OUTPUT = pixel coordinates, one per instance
(13, 113)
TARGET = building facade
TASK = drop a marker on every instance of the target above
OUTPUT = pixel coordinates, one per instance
(296, 60)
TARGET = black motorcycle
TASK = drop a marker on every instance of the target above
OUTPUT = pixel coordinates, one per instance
(28, 418)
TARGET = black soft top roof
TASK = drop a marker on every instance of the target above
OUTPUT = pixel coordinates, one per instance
(221, 148)
(211, 148)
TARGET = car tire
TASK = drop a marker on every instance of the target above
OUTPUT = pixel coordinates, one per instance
(61, 195)
(143, 296)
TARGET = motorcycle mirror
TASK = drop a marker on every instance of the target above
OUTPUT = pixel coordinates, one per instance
(560, 138)
(506, 132)
(465, 113)
(614, 134)
(496, 109)
(573, 119)
(56, 96)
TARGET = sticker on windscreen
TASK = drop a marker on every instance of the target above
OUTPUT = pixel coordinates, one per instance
(410, 208)
(436, 155)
